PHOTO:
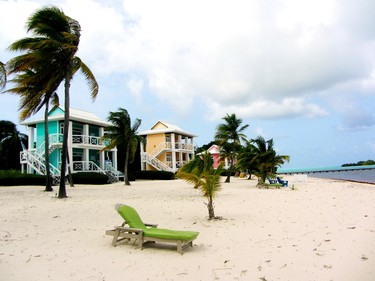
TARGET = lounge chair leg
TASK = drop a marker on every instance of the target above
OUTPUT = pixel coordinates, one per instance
(179, 247)
(115, 237)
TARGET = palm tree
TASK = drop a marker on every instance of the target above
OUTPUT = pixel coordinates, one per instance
(265, 158)
(35, 91)
(123, 133)
(56, 40)
(11, 143)
(245, 157)
(201, 173)
(230, 133)
(3, 75)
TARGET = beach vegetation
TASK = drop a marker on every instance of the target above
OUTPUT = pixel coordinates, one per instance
(15, 177)
(11, 143)
(50, 54)
(123, 133)
(153, 175)
(260, 157)
(89, 178)
(202, 175)
(360, 163)
(229, 136)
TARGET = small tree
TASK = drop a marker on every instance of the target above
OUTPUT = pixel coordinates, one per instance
(201, 173)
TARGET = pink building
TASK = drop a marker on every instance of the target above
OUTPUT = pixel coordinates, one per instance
(214, 150)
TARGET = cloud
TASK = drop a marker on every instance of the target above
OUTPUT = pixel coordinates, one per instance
(261, 59)
(241, 56)
(265, 109)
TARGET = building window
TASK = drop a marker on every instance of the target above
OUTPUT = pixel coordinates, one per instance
(168, 157)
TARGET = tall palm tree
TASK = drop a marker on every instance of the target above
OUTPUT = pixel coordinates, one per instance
(3, 76)
(265, 157)
(123, 133)
(56, 39)
(35, 91)
(231, 134)
(201, 173)
(11, 143)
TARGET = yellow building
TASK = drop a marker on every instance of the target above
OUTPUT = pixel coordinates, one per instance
(167, 148)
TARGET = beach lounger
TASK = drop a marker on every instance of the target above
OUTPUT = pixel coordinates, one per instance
(282, 182)
(143, 233)
(271, 181)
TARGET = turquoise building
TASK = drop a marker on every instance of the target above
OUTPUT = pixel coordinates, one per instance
(84, 145)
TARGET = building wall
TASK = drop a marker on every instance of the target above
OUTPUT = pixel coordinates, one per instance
(153, 141)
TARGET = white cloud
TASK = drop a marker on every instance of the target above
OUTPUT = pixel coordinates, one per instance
(242, 56)
(265, 109)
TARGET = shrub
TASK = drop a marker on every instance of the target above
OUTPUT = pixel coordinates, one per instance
(89, 178)
(14, 177)
(154, 175)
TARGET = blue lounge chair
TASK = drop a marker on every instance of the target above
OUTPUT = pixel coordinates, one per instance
(283, 182)
(271, 181)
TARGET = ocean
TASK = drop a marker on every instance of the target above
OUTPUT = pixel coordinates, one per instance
(367, 176)
(364, 174)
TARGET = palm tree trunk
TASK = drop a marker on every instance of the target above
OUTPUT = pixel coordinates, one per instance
(126, 176)
(210, 207)
(62, 189)
(46, 149)
(230, 169)
(70, 178)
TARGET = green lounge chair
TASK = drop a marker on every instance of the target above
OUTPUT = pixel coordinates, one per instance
(145, 233)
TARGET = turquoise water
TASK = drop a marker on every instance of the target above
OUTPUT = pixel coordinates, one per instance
(353, 173)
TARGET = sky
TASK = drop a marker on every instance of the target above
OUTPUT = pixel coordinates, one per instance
(299, 72)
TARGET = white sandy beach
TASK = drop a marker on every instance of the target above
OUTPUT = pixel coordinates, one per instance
(323, 230)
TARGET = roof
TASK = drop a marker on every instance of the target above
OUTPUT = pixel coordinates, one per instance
(164, 127)
(75, 115)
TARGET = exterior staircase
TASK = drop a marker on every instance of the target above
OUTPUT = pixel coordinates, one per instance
(36, 160)
(155, 162)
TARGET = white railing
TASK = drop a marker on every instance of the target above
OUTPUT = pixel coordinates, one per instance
(37, 163)
(86, 166)
(89, 140)
(160, 148)
(168, 146)
(53, 140)
(179, 164)
(159, 165)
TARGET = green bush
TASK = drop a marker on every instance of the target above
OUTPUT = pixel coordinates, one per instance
(153, 175)
(14, 177)
(89, 178)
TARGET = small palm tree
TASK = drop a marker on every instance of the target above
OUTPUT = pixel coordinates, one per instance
(123, 133)
(11, 143)
(201, 173)
(231, 134)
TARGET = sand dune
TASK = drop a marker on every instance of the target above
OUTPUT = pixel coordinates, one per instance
(322, 230)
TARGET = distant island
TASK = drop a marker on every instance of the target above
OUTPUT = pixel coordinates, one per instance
(360, 163)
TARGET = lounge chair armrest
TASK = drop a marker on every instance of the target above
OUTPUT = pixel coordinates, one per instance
(129, 229)
(151, 225)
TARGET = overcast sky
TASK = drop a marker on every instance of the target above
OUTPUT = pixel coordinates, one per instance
(301, 72)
